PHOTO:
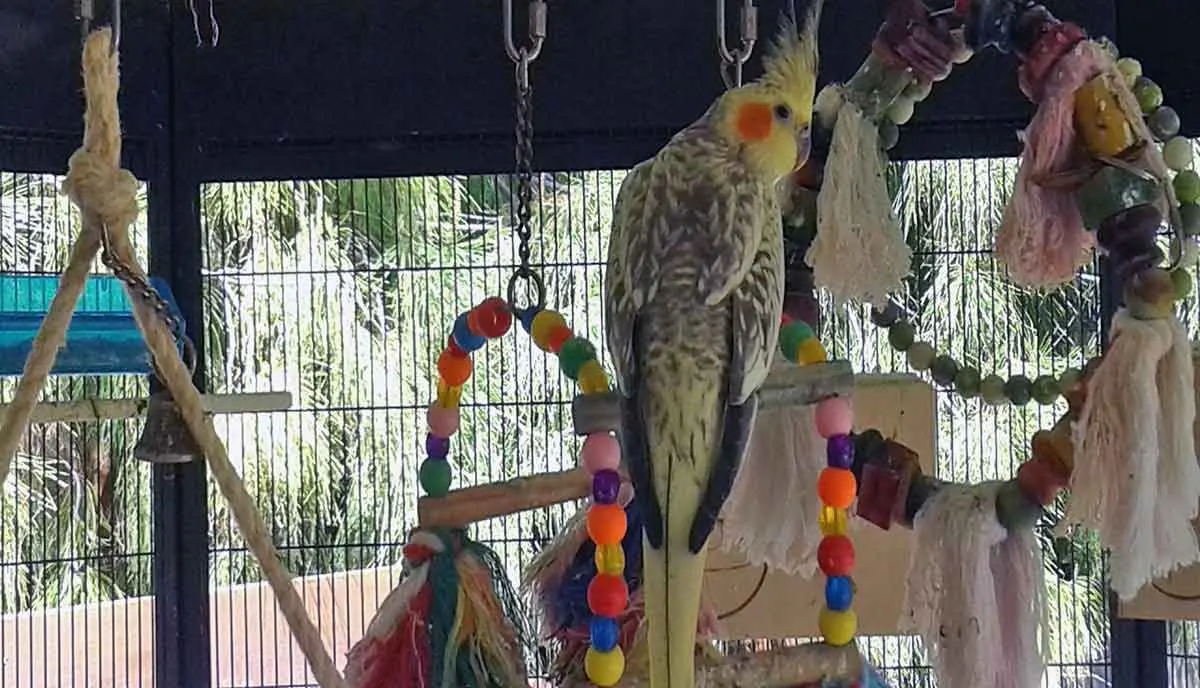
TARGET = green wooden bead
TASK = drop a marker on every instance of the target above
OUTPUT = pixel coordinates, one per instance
(902, 110)
(435, 477)
(1130, 68)
(1177, 153)
(901, 335)
(943, 370)
(1149, 94)
(889, 134)
(1111, 190)
(967, 381)
(1187, 186)
(1069, 378)
(1183, 283)
(790, 336)
(1164, 123)
(1045, 390)
(574, 353)
(1019, 390)
(918, 90)
(992, 389)
(920, 356)
(1189, 215)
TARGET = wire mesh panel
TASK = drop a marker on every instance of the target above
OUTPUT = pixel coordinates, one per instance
(75, 526)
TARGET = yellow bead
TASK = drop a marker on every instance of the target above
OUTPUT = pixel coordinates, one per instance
(543, 324)
(838, 628)
(1104, 126)
(604, 668)
(610, 560)
(592, 378)
(811, 351)
(832, 521)
(448, 396)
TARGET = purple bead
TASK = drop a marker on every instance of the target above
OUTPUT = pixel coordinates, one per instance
(606, 485)
(437, 447)
(839, 450)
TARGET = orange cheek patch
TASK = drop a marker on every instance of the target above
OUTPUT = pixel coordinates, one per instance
(754, 121)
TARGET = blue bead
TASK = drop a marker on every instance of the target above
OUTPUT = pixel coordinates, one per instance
(604, 633)
(839, 593)
(467, 340)
(526, 317)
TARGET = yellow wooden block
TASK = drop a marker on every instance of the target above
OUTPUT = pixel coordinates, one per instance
(1102, 123)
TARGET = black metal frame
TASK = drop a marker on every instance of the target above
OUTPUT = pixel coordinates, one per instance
(433, 107)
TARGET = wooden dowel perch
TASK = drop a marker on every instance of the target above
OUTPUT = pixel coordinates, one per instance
(473, 504)
(83, 410)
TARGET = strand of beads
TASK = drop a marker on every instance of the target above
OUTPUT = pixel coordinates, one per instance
(489, 320)
(608, 593)
(836, 487)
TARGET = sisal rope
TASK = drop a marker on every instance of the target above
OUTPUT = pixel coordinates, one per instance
(106, 196)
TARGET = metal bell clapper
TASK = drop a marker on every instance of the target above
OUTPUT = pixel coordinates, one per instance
(165, 438)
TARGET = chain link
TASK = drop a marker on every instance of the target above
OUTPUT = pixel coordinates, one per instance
(142, 288)
(736, 59)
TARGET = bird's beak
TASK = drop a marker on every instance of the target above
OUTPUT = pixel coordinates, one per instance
(803, 147)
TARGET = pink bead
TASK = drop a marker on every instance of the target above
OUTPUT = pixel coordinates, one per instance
(834, 417)
(600, 452)
(443, 422)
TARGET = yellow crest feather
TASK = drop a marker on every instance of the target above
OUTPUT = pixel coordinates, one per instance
(791, 64)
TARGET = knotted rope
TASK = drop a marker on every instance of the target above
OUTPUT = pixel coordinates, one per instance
(106, 196)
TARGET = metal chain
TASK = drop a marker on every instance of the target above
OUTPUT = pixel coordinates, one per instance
(523, 57)
(148, 294)
(736, 59)
(85, 12)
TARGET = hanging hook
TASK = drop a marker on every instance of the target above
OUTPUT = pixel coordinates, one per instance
(85, 12)
(524, 56)
(738, 57)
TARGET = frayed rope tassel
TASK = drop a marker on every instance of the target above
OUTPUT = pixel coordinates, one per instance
(1042, 239)
(1137, 481)
(859, 253)
(782, 462)
(976, 592)
(453, 622)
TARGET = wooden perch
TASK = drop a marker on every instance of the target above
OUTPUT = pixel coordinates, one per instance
(469, 505)
(84, 410)
(792, 386)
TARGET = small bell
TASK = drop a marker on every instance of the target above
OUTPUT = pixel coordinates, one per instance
(165, 437)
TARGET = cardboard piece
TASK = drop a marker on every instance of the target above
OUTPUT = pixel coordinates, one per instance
(902, 407)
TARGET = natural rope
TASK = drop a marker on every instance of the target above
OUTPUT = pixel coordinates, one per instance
(102, 192)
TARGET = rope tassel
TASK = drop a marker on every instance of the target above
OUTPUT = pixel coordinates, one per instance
(859, 253)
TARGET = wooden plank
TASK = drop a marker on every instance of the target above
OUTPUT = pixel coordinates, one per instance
(901, 407)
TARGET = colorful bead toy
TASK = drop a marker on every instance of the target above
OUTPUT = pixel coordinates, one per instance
(600, 455)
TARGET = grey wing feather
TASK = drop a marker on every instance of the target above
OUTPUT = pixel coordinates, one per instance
(757, 302)
(628, 239)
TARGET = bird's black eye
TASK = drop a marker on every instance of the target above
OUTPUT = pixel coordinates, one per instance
(783, 113)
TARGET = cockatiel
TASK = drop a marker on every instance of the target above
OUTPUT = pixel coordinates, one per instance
(693, 299)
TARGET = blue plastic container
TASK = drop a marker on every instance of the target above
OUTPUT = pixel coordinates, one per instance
(103, 338)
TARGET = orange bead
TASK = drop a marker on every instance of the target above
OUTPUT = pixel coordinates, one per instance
(836, 487)
(606, 524)
(455, 370)
(557, 337)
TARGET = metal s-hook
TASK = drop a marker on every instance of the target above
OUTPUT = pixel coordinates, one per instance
(525, 55)
(738, 57)
(85, 12)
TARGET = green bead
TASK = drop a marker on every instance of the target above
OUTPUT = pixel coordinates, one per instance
(1149, 94)
(574, 353)
(921, 355)
(1164, 123)
(966, 382)
(790, 336)
(943, 370)
(889, 134)
(1068, 380)
(1187, 186)
(1183, 283)
(901, 335)
(1045, 390)
(918, 90)
(992, 389)
(435, 477)
(1189, 216)
(1177, 153)
(1019, 390)
(1130, 68)
(1111, 190)
(902, 110)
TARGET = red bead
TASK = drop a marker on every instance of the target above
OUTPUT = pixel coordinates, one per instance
(491, 319)
(835, 555)
(557, 337)
(454, 349)
(608, 595)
